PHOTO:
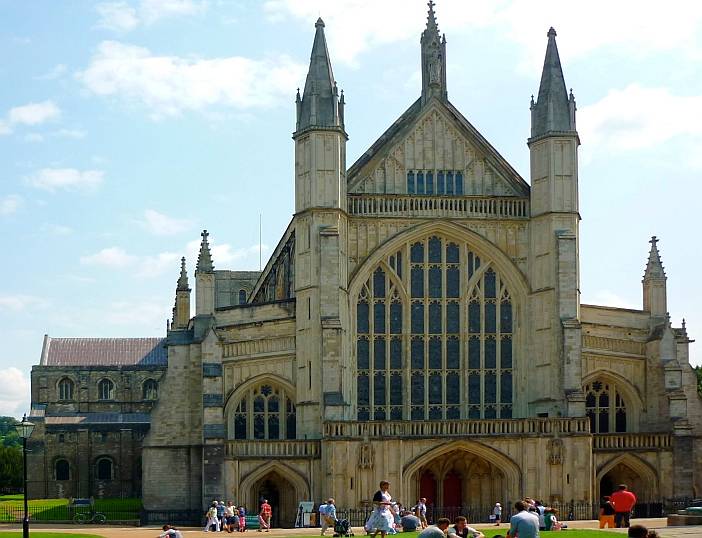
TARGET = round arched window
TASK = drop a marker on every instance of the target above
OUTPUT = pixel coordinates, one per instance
(65, 389)
(62, 470)
(104, 469)
(106, 390)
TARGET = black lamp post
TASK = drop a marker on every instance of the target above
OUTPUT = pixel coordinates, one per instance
(24, 430)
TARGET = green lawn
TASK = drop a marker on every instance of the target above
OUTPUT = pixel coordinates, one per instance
(34, 534)
(11, 509)
(566, 533)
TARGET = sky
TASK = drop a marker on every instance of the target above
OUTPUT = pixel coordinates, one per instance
(128, 126)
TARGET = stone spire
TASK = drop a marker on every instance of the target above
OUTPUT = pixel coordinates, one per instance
(554, 110)
(433, 48)
(183, 279)
(654, 284)
(319, 104)
(654, 267)
(204, 258)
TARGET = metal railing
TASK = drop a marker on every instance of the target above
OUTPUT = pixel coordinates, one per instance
(58, 510)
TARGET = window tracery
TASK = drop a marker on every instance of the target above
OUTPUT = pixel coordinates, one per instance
(605, 407)
(264, 412)
(434, 337)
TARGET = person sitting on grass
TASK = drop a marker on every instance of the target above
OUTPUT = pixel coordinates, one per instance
(170, 532)
(409, 522)
(461, 529)
(436, 531)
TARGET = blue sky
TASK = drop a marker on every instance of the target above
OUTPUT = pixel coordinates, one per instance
(126, 127)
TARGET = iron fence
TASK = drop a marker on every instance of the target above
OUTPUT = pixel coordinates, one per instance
(58, 511)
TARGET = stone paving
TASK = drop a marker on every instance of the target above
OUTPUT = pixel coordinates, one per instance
(108, 531)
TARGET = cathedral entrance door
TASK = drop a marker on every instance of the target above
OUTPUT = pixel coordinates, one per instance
(281, 496)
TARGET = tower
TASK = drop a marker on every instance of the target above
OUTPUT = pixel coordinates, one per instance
(654, 285)
(433, 48)
(554, 258)
(320, 242)
(181, 310)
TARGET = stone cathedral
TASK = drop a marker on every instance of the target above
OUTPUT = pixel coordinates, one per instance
(419, 321)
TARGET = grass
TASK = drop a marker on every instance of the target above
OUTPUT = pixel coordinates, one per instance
(34, 534)
(11, 509)
(566, 533)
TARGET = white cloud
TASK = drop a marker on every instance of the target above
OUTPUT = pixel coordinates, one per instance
(636, 117)
(224, 255)
(17, 302)
(10, 204)
(29, 114)
(33, 113)
(159, 224)
(355, 26)
(123, 17)
(169, 85)
(55, 72)
(117, 16)
(114, 257)
(152, 266)
(14, 392)
(53, 179)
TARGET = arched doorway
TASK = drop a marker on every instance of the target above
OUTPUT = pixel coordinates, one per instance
(621, 473)
(461, 482)
(280, 494)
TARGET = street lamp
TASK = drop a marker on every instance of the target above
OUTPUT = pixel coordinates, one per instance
(24, 430)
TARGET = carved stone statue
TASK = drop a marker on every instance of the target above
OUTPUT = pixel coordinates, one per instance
(365, 455)
(555, 451)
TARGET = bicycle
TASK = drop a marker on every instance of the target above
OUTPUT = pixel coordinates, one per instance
(90, 517)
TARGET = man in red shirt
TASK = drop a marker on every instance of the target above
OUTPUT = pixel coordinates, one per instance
(264, 516)
(623, 501)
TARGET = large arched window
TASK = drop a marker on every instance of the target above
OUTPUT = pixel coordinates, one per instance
(62, 470)
(65, 389)
(605, 407)
(106, 390)
(150, 390)
(104, 469)
(434, 336)
(264, 412)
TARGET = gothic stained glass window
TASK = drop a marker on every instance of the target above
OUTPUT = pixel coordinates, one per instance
(605, 407)
(264, 412)
(454, 350)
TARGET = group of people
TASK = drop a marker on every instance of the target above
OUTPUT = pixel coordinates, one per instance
(225, 517)
(616, 509)
(388, 517)
(230, 518)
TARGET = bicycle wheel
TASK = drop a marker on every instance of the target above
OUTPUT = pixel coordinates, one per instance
(99, 518)
(81, 517)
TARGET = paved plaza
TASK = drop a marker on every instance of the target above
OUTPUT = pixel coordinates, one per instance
(191, 532)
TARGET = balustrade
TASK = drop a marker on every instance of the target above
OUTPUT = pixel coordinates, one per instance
(260, 448)
(438, 206)
(632, 441)
(457, 428)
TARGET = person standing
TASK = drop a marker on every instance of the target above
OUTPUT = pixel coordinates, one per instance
(328, 516)
(624, 502)
(497, 512)
(420, 510)
(211, 516)
(606, 513)
(523, 524)
(381, 519)
(265, 515)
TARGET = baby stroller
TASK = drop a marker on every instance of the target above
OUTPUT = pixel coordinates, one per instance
(342, 527)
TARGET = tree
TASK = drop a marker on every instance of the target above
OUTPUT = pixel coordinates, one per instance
(8, 434)
(10, 467)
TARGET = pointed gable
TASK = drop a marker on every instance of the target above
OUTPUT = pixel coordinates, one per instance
(435, 138)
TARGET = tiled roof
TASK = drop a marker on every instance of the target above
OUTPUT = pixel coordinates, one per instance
(100, 418)
(104, 352)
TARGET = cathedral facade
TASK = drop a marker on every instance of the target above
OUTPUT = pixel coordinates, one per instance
(420, 321)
